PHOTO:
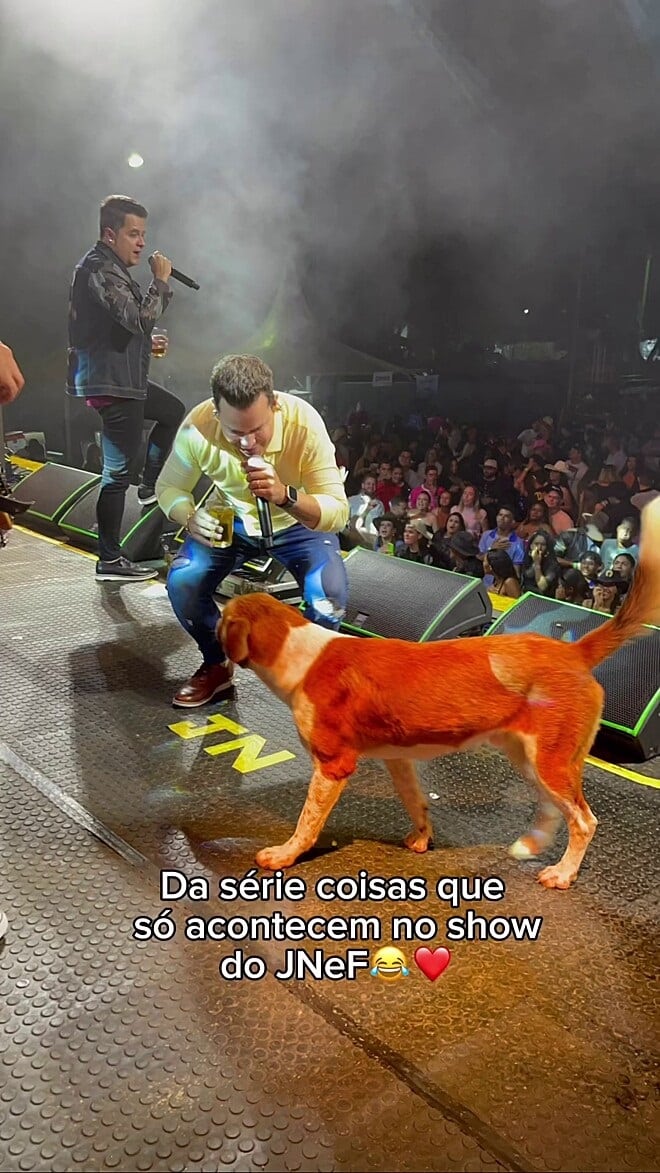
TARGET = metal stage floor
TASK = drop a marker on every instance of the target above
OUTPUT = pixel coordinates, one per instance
(121, 1054)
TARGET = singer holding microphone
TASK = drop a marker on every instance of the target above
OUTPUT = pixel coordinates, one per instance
(271, 460)
(110, 326)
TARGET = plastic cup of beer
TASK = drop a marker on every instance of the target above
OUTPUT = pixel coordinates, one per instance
(224, 515)
(159, 342)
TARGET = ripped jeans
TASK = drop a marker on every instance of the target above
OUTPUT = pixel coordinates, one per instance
(314, 559)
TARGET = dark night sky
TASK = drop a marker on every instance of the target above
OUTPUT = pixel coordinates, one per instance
(440, 163)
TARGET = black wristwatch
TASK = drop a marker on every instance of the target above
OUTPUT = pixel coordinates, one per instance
(291, 498)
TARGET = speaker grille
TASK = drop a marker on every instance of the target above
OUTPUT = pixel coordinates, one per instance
(141, 526)
(54, 488)
(631, 677)
(397, 599)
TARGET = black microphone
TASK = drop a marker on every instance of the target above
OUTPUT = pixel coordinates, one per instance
(263, 508)
(266, 523)
(178, 276)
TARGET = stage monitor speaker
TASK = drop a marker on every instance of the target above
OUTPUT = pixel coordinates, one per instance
(261, 573)
(630, 677)
(396, 599)
(53, 488)
(141, 531)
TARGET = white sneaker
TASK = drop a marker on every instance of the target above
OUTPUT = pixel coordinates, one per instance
(4, 924)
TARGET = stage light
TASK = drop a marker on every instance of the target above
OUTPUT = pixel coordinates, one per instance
(525, 311)
(135, 160)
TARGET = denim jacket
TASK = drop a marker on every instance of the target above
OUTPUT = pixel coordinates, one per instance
(110, 324)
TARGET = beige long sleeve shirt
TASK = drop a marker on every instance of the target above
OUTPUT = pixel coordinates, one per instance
(300, 451)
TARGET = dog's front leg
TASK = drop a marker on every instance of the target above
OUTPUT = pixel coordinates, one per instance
(404, 775)
(322, 795)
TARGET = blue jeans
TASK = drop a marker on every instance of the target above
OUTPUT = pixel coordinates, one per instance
(314, 559)
(121, 438)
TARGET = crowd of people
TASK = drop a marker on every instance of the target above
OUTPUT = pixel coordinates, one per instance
(550, 510)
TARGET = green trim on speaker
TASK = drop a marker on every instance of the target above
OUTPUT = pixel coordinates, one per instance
(641, 721)
(64, 505)
(75, 529)
(470, 586)
(502, 619)
(140, 521)
(357, 630)
(449, 606)
(655, 699)
(647, 713)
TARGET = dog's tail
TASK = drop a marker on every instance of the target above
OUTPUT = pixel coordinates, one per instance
(642, 603)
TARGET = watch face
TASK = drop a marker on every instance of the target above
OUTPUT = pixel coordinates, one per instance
(292, 495)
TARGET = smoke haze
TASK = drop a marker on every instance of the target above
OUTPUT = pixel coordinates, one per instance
(335, 141)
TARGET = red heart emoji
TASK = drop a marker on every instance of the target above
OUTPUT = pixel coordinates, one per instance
(432, 962)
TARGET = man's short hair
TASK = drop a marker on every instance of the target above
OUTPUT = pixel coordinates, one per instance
(115, 209)
(240, 379)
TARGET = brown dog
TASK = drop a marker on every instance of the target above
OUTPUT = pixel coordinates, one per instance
(532, 697)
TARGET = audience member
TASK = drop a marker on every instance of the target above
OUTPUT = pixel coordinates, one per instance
(572, 588)
(423, 511)
(629, 477)
(441, 539)
(473, 515)
(410, 476)
(535, 521)
(495, 490)
(614, 454)
(606, 594)
(503, 537)
(557, 478)
(540, 571)
(576, 470)
(365, 509)
(386, 541)
(415, 543)
(559, 519)
(591, 565)
(443, 510)
(623, 567)
(464, 553)
(501, 573)
(572, 544)
(429, 485)
(623, 543)
(385, 487)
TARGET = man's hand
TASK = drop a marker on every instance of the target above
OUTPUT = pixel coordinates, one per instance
(204, 528)
(160, 267)
(263, 481)
(160, 343)
(11, 377)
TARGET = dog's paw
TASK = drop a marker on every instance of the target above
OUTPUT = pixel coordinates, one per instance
(554, 877)
(418, 841)
(274, 858)
(534, 843)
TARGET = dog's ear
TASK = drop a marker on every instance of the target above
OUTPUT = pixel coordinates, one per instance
(234, 637)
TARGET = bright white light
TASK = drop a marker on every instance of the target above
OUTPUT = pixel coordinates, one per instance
(525, 311)
(135, 160)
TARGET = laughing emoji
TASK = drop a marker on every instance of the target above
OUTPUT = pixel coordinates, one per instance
(389, 964)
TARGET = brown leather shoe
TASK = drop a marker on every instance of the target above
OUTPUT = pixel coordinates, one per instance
(203, 685)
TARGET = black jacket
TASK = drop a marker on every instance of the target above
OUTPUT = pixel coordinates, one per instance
(110, 324)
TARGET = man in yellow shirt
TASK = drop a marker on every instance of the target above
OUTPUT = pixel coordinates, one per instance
(297, 475)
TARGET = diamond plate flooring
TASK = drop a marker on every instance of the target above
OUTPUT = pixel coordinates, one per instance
(122, 1054)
